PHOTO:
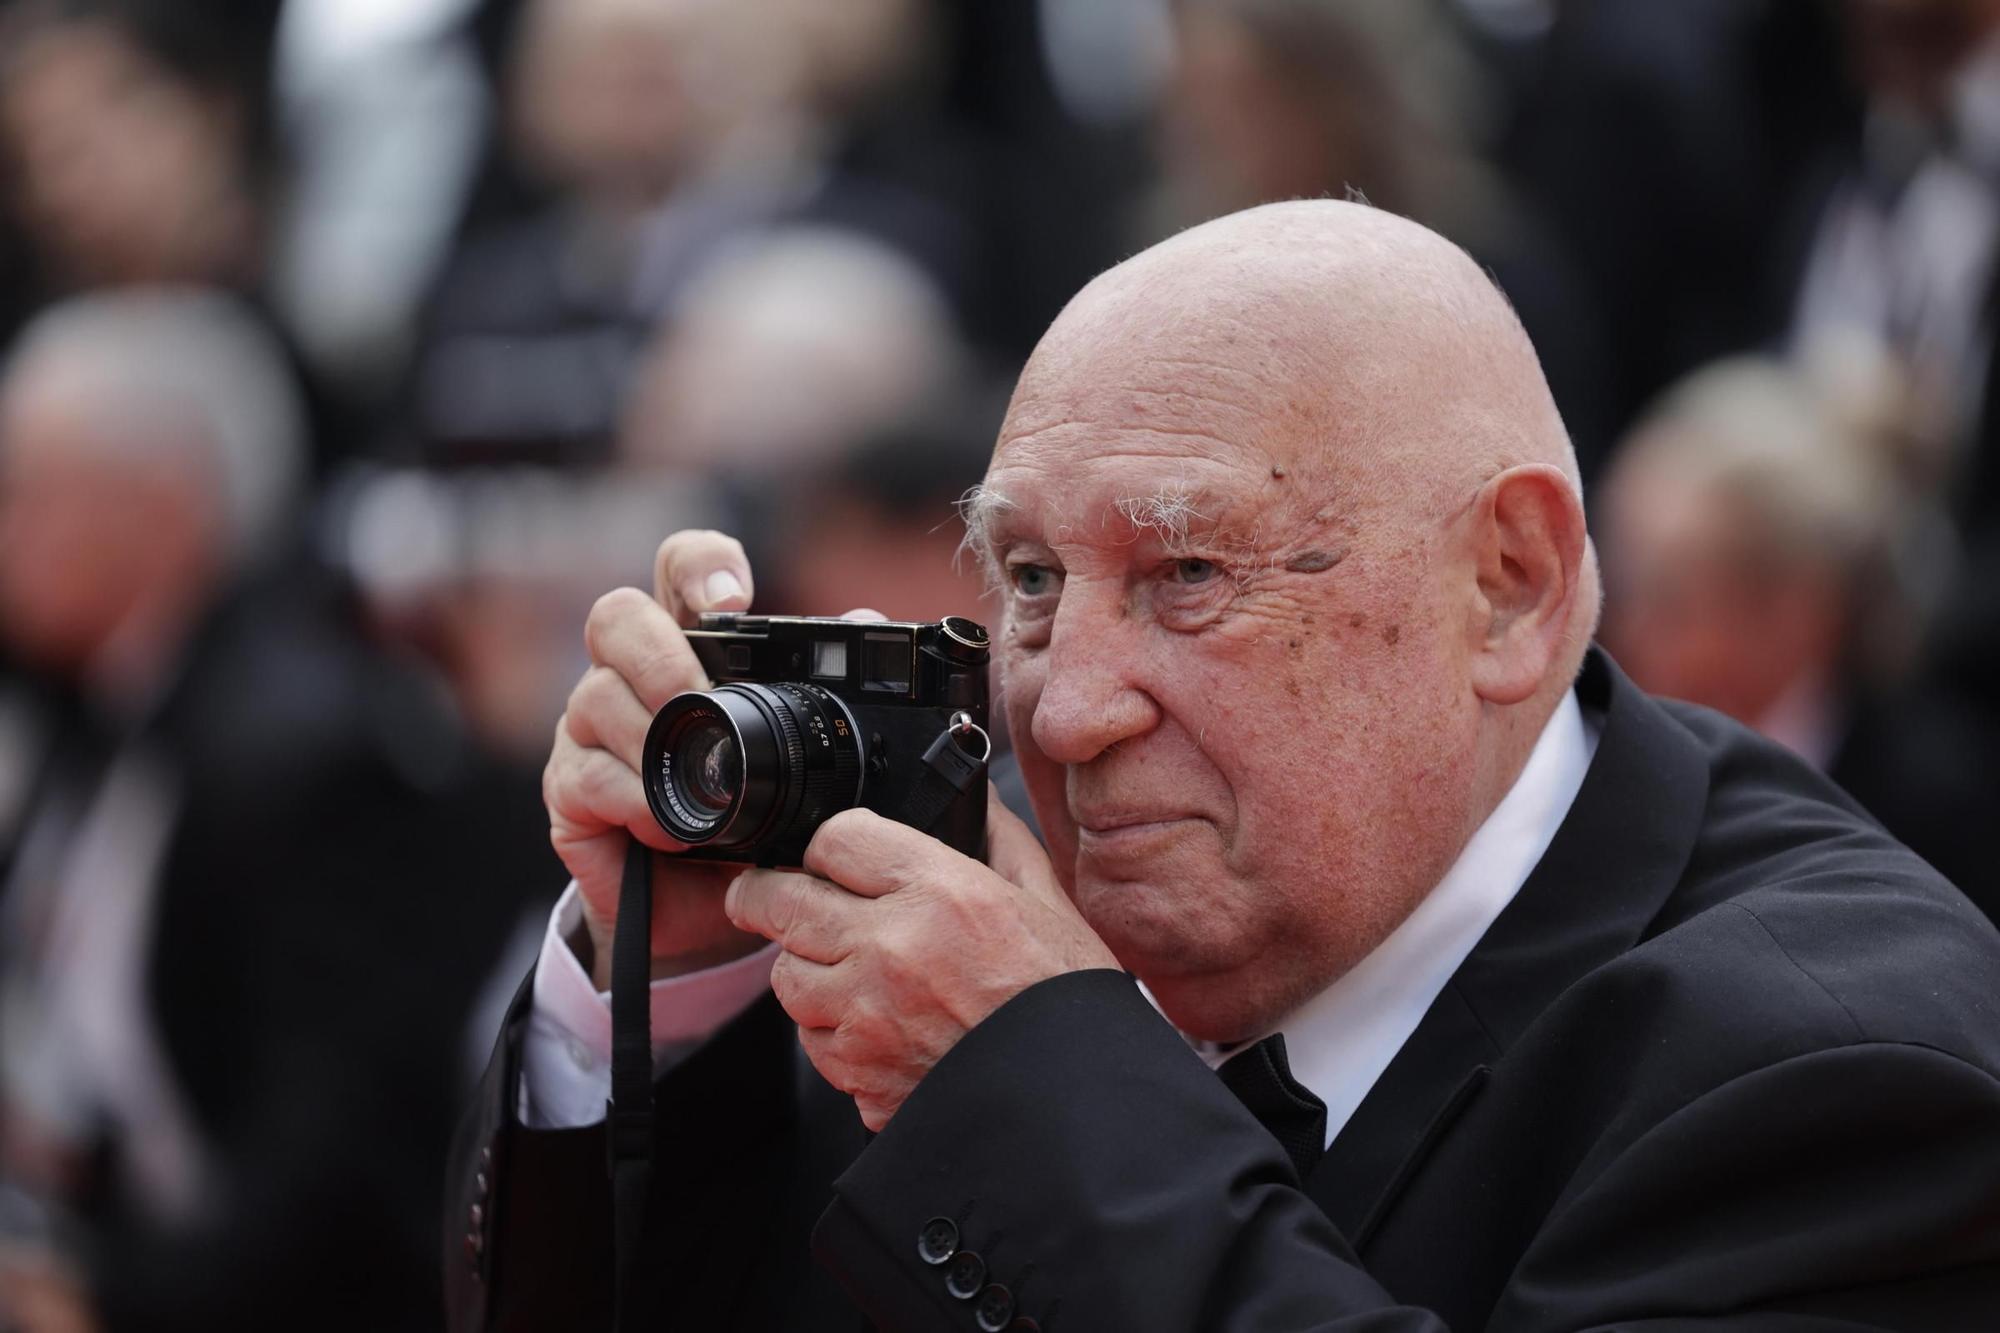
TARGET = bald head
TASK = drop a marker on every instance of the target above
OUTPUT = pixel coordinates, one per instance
(1379, 343)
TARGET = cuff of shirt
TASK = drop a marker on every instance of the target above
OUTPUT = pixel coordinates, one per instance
(566, 1051)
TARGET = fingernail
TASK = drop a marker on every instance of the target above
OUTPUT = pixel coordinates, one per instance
(721, 586)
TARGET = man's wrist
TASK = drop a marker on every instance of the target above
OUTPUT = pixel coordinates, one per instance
(594, 954)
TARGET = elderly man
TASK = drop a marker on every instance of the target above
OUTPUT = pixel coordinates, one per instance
(1536, 1004)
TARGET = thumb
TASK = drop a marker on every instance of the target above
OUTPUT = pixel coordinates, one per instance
(1012, 849)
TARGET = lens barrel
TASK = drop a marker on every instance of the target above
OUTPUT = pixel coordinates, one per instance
(750, 765)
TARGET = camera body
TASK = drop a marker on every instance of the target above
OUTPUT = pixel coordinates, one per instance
(811, 716)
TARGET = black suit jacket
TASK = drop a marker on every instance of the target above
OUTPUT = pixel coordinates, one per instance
(1730, 1060)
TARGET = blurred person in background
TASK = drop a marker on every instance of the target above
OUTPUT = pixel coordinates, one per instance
(931, 130)
(1904, 244)
(235, 819)
(1291, 99)
(658, 132)
(787, 349)
(533, 329)
(819, 378)
(140, 143)
(138, 139)
(1905, 254)
(1752, 543)
(1678, 152)
(876, 528)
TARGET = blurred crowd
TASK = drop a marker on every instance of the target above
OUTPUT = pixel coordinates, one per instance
(350, 348)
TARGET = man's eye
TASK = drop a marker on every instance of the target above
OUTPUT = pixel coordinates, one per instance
(1191, 571)
(1032, 580)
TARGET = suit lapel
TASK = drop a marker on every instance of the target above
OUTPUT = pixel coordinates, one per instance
(1612, 864)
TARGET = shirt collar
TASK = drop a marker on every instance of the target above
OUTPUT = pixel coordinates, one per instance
(1339, 1042)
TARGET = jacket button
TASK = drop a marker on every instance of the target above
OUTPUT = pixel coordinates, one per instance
(995, 1308)
(938, 1241)
(478, 1216)
(472, 1247)
(479, 1183)
(966, 1275)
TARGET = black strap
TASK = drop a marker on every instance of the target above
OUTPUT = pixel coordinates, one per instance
(1261, 1078)
(628, 1120)
(949, 771)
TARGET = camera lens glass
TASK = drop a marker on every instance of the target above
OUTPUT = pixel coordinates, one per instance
(751, 766)
(711, 770)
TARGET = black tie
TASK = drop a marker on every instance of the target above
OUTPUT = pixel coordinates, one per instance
(1261, 1078)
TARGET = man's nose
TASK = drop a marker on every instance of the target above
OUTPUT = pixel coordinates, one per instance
(1089, 699)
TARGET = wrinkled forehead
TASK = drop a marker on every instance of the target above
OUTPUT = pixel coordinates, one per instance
(1162, 424)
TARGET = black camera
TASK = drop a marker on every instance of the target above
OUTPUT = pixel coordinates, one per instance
(810, 717)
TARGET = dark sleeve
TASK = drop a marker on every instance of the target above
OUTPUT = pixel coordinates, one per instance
(1096, 1168)
(1856, 1187)
(1099, 1169)
(733, 1194)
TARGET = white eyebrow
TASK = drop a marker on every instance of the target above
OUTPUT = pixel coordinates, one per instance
(981, 508)
(1165, 512)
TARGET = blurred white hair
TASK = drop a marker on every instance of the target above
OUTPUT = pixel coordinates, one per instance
(1755, 432)
(179, 368)
(789, 347)
(1814, 487)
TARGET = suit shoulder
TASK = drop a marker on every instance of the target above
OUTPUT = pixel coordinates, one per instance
(1788, 874)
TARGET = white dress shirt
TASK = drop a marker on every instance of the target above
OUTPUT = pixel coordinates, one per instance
(1338, 1043)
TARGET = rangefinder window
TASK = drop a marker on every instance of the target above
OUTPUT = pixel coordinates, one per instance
(887, 662)
(830, 659)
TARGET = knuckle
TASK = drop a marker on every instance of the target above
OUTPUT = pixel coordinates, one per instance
(606, 613)
(595, 692)
(840, 838)
(898, 956)
(784, 980)
(674, 664)
(788, 906)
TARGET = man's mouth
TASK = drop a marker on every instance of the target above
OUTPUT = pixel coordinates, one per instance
(1110, 821)
(1128, 834)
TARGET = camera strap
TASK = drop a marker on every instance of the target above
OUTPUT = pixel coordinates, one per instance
(628, 1118)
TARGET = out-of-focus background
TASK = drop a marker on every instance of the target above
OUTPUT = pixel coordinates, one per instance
(350, 348)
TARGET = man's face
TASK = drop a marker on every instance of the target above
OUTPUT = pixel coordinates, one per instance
(1246, 744)
(85, 536)
(122, 166)
(1698, 611)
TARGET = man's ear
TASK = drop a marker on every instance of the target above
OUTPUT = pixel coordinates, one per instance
(1528, 542)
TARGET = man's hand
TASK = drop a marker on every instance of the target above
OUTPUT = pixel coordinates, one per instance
(895, 946)
(591, 785)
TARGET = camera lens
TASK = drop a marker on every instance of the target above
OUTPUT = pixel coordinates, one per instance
(751, 766)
